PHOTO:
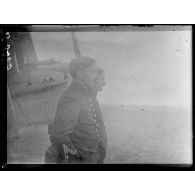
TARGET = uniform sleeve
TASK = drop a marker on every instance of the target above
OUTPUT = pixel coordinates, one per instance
(67, 116)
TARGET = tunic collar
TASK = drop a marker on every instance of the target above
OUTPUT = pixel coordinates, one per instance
(75, 85)
(78, 87)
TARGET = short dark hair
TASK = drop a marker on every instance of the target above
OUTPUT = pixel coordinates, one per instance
(79, 63)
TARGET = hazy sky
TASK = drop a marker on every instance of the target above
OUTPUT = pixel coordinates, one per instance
(142, 68)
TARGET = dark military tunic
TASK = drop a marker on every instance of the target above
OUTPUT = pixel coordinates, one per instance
(79, 125)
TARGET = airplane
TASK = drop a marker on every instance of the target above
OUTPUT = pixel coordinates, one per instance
(33, 87)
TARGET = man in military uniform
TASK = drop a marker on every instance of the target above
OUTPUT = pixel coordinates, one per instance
(78, 133)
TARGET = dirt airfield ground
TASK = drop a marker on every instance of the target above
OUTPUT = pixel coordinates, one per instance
(153, 135)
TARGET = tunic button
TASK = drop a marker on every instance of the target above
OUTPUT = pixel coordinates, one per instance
(94, 115)
(96, 124)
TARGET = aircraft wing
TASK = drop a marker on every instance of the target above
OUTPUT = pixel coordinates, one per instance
(39, 106)
(58, 67)
(35, 105)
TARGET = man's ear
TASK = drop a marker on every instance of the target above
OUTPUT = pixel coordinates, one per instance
(80, 73)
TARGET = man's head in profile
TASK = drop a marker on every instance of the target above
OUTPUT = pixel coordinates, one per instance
(84, 70)
(78, 126)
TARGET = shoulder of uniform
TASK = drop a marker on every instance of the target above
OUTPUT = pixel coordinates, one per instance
(68, 97)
